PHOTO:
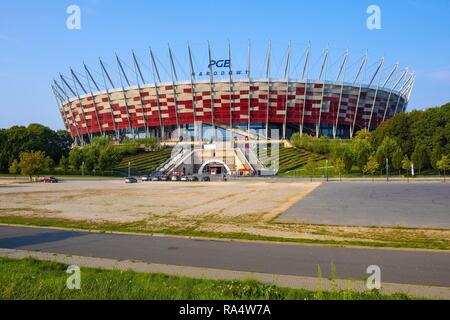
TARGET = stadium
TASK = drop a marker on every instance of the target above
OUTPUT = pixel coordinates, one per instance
(225, 97)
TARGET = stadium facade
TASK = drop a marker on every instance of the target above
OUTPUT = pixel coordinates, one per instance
(224, 98)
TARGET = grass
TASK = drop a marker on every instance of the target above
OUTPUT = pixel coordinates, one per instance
(144, 163)
(398, 238)
(30, 279)
(290, 158)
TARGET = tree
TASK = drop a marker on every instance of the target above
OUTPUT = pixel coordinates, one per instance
(363, 135)
(398, 128)
(397, 158)
(428, 128)
(344, 151)
(64, 163)
(339, 167)
(406, 165)
(420, 157)
(41, 138)
(108, 157)
(76, 158)
(435, 156)
(310, 168)
(386, 150)
(33, 163)
(14, 168)
(91, 154)
(444, 164)
(361, 149)
(371, 167)
(35, 137)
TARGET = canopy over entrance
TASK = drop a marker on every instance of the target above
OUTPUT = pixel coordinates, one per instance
(214, 163)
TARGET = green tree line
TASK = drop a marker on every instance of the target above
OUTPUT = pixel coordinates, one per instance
(102, 155)
(421, 138)
(36, 149)
(35, 137)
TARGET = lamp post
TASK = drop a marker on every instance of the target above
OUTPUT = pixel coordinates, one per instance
(82, 168)
(129, 168)
(326, 170)
(387, 169)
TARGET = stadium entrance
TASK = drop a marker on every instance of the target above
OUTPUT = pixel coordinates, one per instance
(214, 167)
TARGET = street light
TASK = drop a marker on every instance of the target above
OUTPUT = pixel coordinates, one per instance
(387, 169)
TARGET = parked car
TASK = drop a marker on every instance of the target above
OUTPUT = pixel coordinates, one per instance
(206, 179)
(164, 178)
(184, 178)
(192, 178)
(156, 178)
(131, 180)
(50, 180)
(175, 178)
(146, 178)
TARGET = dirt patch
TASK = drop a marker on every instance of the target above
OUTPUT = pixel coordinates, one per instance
(114, 201)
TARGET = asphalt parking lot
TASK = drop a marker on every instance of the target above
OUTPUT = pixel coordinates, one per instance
(418, 204)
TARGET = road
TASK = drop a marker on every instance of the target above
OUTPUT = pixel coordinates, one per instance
(413, 205)
(397, 266)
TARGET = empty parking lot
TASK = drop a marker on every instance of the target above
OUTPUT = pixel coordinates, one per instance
(418, 204)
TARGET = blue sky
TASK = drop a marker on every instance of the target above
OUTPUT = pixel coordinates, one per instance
(35, 44)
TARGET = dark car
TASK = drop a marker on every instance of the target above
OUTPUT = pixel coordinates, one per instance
(50, 180)
(206, 179)
(131, 180)
(164, 178)
(192, 178)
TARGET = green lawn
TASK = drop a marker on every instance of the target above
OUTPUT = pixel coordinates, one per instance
(290, 158)
(44, 280)
(144, 163)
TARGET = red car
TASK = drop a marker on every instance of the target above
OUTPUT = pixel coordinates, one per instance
(50, 180)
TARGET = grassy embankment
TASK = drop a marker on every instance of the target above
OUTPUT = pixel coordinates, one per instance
(143, 163)
(292, 163)
(45, 280)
